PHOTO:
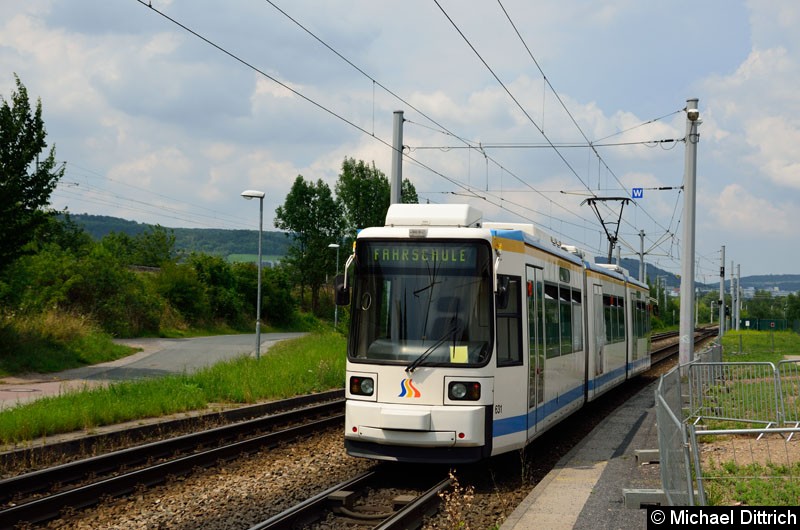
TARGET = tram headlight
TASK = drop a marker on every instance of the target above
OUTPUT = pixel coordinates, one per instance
(464, 391)
(362, 386)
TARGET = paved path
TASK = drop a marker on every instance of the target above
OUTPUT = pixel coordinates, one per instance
(158, 357)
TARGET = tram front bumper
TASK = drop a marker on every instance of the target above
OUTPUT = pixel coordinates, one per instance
(415, 425)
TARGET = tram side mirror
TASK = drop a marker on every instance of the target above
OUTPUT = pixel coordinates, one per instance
(502, 292)
(342, 292)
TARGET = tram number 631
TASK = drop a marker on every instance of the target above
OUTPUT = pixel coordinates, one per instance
(498, 409)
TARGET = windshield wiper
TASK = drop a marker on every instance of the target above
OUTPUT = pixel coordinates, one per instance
(447, 334)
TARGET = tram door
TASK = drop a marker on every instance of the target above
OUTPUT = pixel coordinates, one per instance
(535, 299)
(600, 320)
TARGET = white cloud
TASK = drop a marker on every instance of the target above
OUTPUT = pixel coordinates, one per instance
(776, 139)
(133, 98)
(748, 215)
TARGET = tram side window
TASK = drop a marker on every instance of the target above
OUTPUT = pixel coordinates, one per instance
(642, 320)
(551, 321)
(577, 321)
(565, 314)
(614, 314)
(509, 333)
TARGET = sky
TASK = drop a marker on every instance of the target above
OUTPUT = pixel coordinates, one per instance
(164, 111)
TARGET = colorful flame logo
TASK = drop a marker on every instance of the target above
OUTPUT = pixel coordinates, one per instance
(408, 390)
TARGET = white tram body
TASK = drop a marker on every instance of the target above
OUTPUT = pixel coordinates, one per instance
(469, 339)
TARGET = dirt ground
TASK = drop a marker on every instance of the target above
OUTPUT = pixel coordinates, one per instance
(744, 450)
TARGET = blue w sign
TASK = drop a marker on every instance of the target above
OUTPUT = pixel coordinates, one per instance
(637, 193)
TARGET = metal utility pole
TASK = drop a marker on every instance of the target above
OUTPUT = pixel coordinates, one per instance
(686, 345)
(397, 159)
(641, 256)
(738, 305)
(722, 294)
(732, 325)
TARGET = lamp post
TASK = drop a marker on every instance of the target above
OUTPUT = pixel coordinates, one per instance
(253, 194)
(336, 306)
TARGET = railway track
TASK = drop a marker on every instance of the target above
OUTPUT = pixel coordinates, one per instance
(43, 495)
(378, 499)
(46, 494)
(668, 342)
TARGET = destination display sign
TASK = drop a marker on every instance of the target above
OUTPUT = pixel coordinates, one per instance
(420, 255)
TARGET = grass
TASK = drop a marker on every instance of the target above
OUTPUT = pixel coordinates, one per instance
(729, 482)
(315, 362)
(52, 342)
(759, 346)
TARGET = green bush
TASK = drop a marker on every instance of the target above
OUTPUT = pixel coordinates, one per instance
(92, 283)
(180, 285)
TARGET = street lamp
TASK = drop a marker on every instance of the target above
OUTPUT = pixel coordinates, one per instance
(336, 306)
(253, 194)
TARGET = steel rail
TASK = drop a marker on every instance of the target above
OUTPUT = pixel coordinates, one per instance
(141, 432)
(50, 507)
(307, 510)
(411, 515)
(79, 470)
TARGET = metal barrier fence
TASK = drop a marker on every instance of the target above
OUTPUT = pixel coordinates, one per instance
(727, 396)
(756, 467)
(789, 374)
(741, 392)
(745, 392)
(673, 447)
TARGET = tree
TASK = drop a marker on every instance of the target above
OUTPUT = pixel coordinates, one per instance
(312, 218)
(26, 181)
(155, 246)
(363, 194)
(408, 193)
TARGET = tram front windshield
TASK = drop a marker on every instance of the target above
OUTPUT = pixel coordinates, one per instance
(422, 303)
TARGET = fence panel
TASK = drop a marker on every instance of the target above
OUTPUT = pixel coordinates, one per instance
(742, 392)
(789, 378)
(676, 478)
(755, 467)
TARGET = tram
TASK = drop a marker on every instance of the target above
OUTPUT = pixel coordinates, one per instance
(469, 339)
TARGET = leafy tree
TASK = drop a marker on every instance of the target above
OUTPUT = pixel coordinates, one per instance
(62, 231)
(278, 307)
(26, 182)
(363, 194)
(154, 247)
(181, 287)
(120, 245)
(408, 193)
(93, 283)
(793, 307)
(311, 216)
(151, 248)
(226, 301)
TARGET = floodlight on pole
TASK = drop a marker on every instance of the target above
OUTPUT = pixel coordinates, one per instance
(336, 306)
(254, 194)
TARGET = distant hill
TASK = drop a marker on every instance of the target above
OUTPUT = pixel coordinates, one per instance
(236, 242)
(771, 282)
(765, 282)
(207, 240)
